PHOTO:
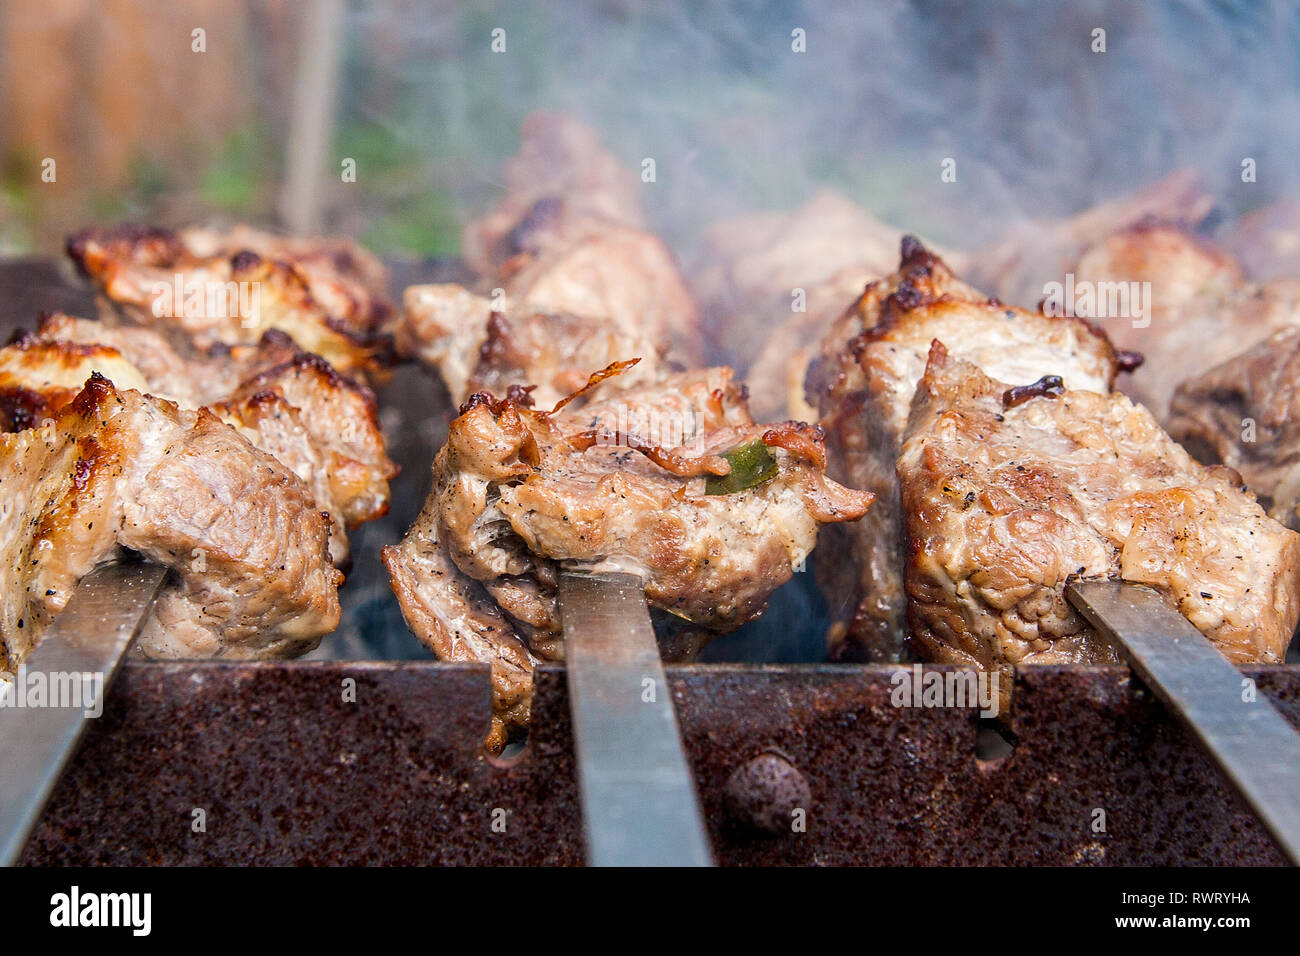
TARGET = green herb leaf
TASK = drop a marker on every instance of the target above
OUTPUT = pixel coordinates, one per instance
(751, 465)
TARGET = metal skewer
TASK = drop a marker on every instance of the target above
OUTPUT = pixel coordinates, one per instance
(1252, 744)
(88, 637)
(639, 802)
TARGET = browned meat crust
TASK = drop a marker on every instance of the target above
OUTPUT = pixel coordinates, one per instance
(829, 248)
(289, 403)
(1004, 505)
(236, 286)
(476, 348)
(116, 469)
(518, 493)
(1036, 252)
(564, 252)
(1267, 241)
(560, 162)
(189, 375)
(1201, 307)
(1245, 413)
(863, 384)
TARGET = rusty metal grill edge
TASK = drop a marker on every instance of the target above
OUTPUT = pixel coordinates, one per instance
(288, 772)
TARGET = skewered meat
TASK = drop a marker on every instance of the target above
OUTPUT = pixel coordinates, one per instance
(1008, 497)
(117, 469)
(1245, 413)
(518, 494)
(752, 263)
(188, 379)
(476, 348)
(1267, 241)
(604, 271)
(567, 239)
(560, 161)
(287, 402)
(550, 351)
(1201, 307)
(445, 326)
(203, 289)
(863, 384)
(335, 266)
(1037, 252)
(829, 248)
(457, 619)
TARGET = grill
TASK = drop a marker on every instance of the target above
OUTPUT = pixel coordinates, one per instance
(290, 774)
(265, 763)
(368, 752)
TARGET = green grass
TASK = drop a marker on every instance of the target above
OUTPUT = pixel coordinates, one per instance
(235, 180)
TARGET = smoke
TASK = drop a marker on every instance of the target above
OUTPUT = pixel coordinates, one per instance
(1036, 121)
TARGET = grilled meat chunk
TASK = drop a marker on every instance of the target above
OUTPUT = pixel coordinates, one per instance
(1037, 252)
(38, 378)
(568, 238)
(518, 494)
(1267, 241)
(189, 376)
(204, 289)
(1245, 413)
(1005, 502)
(476, 348)
(287, 402)
(863, 385)
(445, 326)
(1201, 307)
(342, 272)
(341, 420)
(754, 266)
(551, 352)
(457, 619)
(560, 161)
(116, 469)
(607, 271)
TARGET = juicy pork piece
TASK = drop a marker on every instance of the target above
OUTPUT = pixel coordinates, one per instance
(1201, 307)
(1041, 251)
(115, 469)
(187, 379)
(559, 160)
(712, 510)
(204, 289)
(567, 239)
(607, 271)
(476, 348)
(828, 249)
(872, 360)
(1267, 241)
(345, 273)
(1245, 413)
(289, 403)
(1010, 493)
